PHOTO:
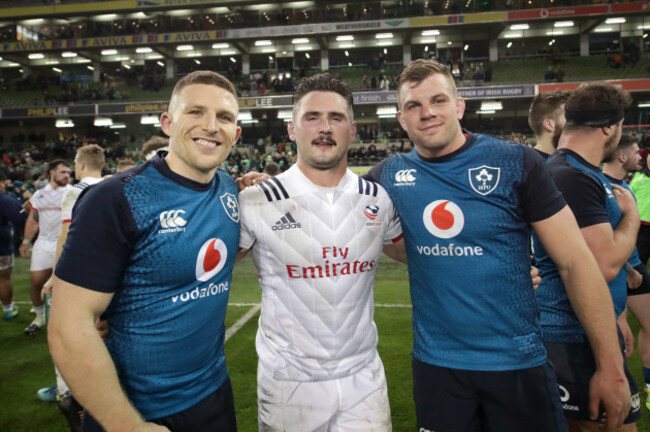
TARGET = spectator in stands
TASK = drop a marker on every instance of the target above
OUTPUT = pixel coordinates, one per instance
(559, 74)
(364, 83)
(549, 75)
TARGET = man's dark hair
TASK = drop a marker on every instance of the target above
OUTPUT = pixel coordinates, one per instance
(323, 82)
(53, 164)
(545, 106)
(625, 143)
(272, 169)
(596, 105)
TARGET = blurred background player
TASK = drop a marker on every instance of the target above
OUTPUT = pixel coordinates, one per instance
(44, 217)
(153, 145)
(11, 215)
(608, 220)
(88, 164)
(317, 232)
(125, 164)
(546, 119)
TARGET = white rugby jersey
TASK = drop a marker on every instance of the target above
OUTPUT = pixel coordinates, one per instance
(72, 195)
(316, 250)
(47, 202)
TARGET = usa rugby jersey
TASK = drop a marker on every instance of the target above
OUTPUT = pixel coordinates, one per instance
(634, 260)
(466, 220)
(71, 196)
(47, 201)
(10, 216)
(316, 250)
(165, 247)
(589, 194)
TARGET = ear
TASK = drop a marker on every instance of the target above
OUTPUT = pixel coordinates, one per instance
(548, 125)
(291, 129)
(237, 136)
(353, 131)
(401, 120)
(460, 108)
(166, 123)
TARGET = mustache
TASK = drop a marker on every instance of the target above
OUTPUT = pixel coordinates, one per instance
(324, 139)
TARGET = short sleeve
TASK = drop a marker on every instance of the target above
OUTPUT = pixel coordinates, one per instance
(102, 236)
(538, 195)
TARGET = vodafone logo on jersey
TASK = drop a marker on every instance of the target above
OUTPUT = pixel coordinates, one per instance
(443, 219)
(212, 257)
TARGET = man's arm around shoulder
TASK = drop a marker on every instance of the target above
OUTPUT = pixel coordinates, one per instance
(81, 356)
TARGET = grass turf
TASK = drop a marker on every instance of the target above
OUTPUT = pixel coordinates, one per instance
(26, 365)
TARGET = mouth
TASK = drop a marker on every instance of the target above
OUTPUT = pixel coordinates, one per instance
(430, 128)
(207, 142)
(324, 142)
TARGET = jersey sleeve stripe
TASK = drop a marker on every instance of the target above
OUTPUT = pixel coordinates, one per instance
(360, 185)
(274, 190)
(375, 189)
(266, 192)
(279, 183)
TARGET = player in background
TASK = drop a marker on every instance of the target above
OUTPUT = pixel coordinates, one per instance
(608, 220)
(466, 204)
(169, 233)
(124, 164)
(44, 217)
(11, 215)
(627, 159)
(88, 164)
(153, 145)
(317, 232)
(546, 120)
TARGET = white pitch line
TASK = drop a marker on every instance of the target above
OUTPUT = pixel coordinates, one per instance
(241, 321)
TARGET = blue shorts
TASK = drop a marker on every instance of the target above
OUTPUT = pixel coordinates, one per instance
(457, 400)
(216, 413)
(575, 365)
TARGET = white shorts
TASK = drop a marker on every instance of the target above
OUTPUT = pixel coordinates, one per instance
(6, 262)
(43, 255)
(354, 403)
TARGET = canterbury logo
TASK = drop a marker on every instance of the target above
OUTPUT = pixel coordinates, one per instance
(172, 219)
(405, 176)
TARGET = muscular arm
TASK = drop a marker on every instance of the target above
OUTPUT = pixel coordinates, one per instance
(592, 303)
(31, 226)
(396, 251)
(81, 356)
(612, 247)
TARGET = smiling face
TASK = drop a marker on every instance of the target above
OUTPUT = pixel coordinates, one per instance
(202, 128)
(323, 129)
(430, 113)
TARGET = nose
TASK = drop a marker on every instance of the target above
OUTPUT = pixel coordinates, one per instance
(211, 124)
(324, 126)
(427, 110)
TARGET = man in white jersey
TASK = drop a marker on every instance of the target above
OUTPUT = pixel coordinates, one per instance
(44, 217)
(88, 165)
(317, 231)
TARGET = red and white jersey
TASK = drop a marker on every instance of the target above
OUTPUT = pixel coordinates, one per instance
(47, 202)
(71, 196)
(316, 250)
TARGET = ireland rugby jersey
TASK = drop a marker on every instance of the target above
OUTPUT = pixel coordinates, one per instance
(316, 250)
(589, 194)
(466, 220)
(164, 246)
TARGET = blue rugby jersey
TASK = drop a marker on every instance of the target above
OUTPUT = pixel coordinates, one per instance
(634, 260)
(165, 246)
(465, 218)
(10, 216)
(589, 194)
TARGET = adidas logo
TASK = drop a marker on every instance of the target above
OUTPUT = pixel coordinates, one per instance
(286, 222)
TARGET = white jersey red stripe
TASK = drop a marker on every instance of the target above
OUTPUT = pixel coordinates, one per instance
(47, 202)
(316, 250)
